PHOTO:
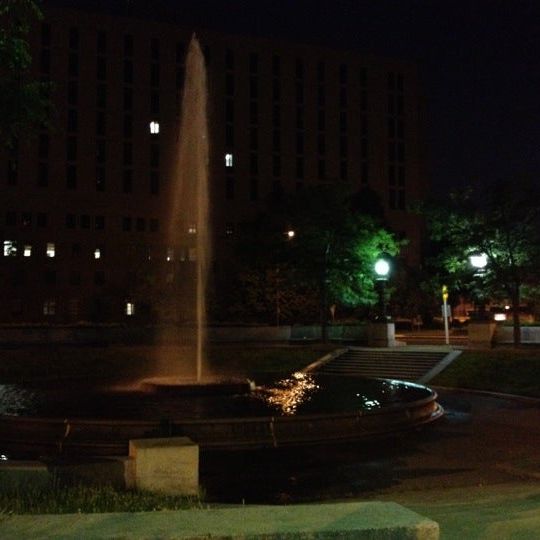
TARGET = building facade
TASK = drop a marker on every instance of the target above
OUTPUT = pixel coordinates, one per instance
(83, 204)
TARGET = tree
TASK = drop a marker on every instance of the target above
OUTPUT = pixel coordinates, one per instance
(333, 249)
(24, 103)
(501, 220)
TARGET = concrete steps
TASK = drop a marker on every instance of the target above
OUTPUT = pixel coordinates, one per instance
(408, 364)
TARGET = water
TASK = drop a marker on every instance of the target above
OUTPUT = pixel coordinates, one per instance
(297, 395)
(190, 219)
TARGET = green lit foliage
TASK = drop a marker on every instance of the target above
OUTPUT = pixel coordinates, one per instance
(328, 261)
(24, 103)
(501, 220)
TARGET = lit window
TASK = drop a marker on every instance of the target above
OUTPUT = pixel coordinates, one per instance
(228, 160)
(154, 128)
(27, 250)
(49, 307)
(170, 254)
(10, 248)
(51, 250)
(229, 229)
(97, 253)
(192, 229)
(130, 309)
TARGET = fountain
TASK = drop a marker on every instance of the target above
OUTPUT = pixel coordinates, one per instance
(305, 408)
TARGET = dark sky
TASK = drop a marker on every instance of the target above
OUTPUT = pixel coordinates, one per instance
(479, 62)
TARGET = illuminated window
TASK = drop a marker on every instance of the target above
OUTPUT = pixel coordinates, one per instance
(229, 229)
(49, 307)
(97, 253)
(27, 252)
(10, 248)
(170, 254)
(192, 229)
(228, 160)
(51, 249)
(130, 309)
(154, 128)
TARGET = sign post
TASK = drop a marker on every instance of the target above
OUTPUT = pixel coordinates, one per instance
(445, 314)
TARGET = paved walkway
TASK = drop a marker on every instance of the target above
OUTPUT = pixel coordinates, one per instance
(476, 470)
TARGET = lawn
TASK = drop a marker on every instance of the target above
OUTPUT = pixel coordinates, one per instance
(512, 371)
(112, 363)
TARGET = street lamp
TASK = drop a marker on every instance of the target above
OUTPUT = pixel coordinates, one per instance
(479, 262)
(382, 270)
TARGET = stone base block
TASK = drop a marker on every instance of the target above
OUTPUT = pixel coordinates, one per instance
(481, 333)
(381, 334)
(168, 465)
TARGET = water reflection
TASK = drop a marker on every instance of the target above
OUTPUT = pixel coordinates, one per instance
(289, 393)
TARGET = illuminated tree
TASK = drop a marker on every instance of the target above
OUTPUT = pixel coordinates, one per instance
(501, 220)
(331, 253)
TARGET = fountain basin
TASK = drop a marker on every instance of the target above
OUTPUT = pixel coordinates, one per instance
(190, 387)
(331, 410)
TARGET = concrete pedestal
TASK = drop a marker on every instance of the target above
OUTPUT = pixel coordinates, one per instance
(481, 333)
(381, 334)
(168, 465)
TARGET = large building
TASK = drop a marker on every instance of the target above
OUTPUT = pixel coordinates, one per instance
(83, 204)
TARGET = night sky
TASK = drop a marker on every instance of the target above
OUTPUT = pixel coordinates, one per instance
(479, 63)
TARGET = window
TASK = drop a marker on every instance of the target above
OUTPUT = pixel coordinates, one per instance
(228, 160)
(170, 254)
(97, 253)
(41, 219)
(71, 177)
(126, 224)
(130, 309)
(140, 224)
(253, 189)
(154, 156)
(99, 223)
(74, 277)
(26, 219)
(71, 221)
(229, 187)
(154, 225)
(85, 221)
(71, 149)
(51, 249)
(128, 45)
(100, 179)
(154, 128)
(49, 307)
(11, 218)
(27, 251)
(99, 277)
(229, 229)
(43, 175)
(10, 248)
(154, 183)
(127, 184)
(192, 229)
(102, 42)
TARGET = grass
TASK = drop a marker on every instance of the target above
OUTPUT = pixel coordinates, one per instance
(98, 363)
(54, 499)
(512, 371)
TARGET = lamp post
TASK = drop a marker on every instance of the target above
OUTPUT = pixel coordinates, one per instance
(289, 235)
(479, 262)
(382, 270)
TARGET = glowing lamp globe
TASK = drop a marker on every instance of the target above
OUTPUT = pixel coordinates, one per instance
(382, 268)
(479, 260)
